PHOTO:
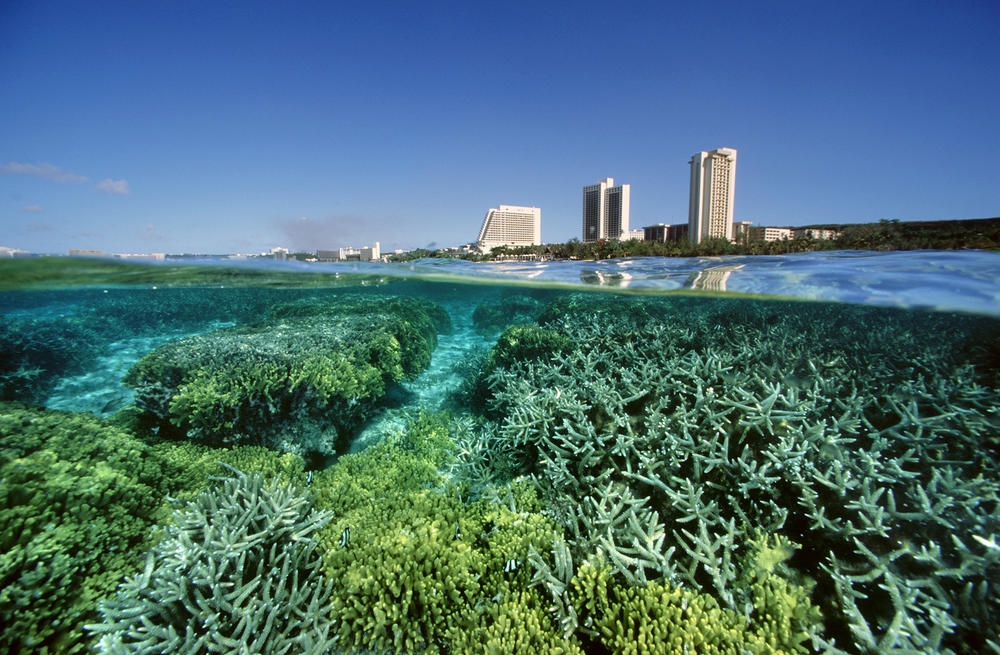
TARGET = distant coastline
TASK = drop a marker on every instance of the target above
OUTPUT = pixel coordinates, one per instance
(884, 235)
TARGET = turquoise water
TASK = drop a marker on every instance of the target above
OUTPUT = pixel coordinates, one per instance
(739, 454)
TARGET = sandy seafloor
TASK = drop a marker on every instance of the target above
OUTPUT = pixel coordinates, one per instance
(932, 284)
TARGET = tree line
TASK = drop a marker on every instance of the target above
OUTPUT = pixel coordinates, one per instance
(885, 235)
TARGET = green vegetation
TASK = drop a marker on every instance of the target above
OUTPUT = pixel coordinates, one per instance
(413, 564)
(80, 498)
(983, 233)
(295, 382)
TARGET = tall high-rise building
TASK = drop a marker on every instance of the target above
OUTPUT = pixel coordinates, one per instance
(710, 208)
(606, 210)
(509, 225)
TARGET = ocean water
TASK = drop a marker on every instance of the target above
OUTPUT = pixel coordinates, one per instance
(737, 454)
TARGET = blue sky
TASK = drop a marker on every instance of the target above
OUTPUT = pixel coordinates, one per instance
(236, 126)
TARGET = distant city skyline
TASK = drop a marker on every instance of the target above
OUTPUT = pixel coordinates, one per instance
(217, 128)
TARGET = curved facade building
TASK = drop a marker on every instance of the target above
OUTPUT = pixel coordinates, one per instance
(510, 225)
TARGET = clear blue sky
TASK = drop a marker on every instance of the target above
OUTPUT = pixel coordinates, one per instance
(237, 126)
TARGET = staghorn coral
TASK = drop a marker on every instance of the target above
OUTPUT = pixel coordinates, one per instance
(80, 498)
(509, 309)
(237, 573)
(674, 430)
(296, 382)
(34, 353)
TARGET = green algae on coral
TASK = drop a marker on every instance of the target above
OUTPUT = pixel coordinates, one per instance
(657, 619)
(509, 309)
(81, 499)
(410, 559)
(78, 501)
(297, 382)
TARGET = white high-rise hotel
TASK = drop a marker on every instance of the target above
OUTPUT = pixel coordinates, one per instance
(508, 225)
(710, 208)
(606, 210)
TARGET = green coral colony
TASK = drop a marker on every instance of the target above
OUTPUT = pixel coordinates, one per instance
(613, 474)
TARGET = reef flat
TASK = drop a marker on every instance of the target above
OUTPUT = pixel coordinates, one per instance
(604, 473)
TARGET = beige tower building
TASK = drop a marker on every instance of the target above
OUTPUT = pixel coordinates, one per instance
(710, 208)
(510, 225)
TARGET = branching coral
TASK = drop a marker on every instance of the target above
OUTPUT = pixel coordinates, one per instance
(673, 430)
(606, 614)
(238, 573)
(509, 309)
(79, 500)
(413, 563)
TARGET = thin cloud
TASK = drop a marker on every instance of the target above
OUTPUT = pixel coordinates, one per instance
(114, 187)
(33, 209)
(47, 171)
(152, 234)
(38, 227)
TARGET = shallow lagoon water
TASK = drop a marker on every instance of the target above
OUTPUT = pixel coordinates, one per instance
(596, 454)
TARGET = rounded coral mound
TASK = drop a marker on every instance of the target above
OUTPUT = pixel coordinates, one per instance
(297, 382)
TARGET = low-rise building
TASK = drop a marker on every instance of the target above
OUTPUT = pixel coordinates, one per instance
(371, 253)
(741, 231)
(156, 256)
(815, 233)
(662, 232)
(770, 233)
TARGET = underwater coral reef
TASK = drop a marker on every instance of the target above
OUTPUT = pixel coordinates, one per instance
(672, 432)
(236, 573)
(297, 381)
(620, 475)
